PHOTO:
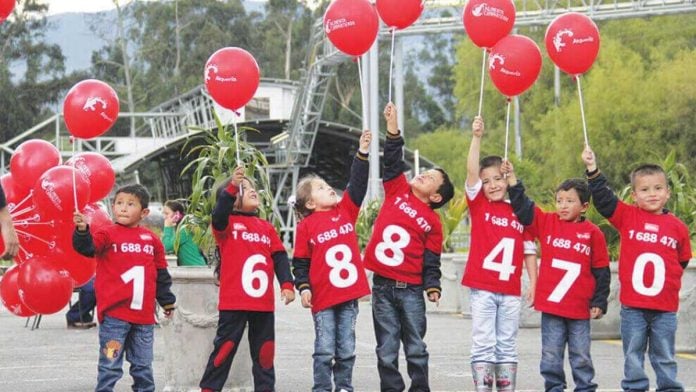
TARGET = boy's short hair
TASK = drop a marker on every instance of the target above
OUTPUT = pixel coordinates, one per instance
(580, 187)
(646, 169)
(446, 190)
(490, 161)
(138, 191)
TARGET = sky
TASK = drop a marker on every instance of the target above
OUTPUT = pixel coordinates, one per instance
(61, 6)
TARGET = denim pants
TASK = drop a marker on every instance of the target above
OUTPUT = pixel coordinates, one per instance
(117, 337)
(83, 309)
(399, 316)
(495, 319)
(556, 332)
(334, 347)
(654, 330)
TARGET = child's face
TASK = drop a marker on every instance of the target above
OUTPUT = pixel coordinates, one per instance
(568, 205)
(650, 192)
(250, 198)
(323, 196)
(427, 183)
(494, 184)
(127, 210)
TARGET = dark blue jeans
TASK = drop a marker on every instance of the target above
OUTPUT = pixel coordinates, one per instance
(83, 309)
(556, 332)
(654, 330)
(334, 347)
(117, 337)
(399, 316)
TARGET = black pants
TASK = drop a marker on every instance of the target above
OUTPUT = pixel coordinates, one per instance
(261, 343)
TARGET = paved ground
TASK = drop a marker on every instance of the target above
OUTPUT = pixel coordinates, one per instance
(55, 359)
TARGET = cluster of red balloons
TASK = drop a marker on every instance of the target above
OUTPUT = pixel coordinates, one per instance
(39, 192)
(6, 7)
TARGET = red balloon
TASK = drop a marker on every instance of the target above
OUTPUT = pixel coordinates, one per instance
(37, 235)
(514, 64)
(9, 294)
(53, 192)
(572, 41)
(31, 159)
(487, 21)
(232, 77)
(90, 108)
(96, 217)
(80, 268)
(97, 171)
(6, 7)
(44, 287)
(351, 25)
(13, 192)
(399, 13)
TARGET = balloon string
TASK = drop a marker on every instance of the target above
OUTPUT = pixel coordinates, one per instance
(507, 130)
(483, 74)
(74, 180)
(236, 147)
(24, 223)
(582, 112)
(391, 63)
(360, 77)
(40, 239)
(14, 211)
(15, 214)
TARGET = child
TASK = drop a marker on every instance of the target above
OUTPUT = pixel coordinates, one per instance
(131, 273)
(573, 283)
(404, 253)
(493, 271)
(250, 253)
(655, 249)
(328, 269)
(187, 251)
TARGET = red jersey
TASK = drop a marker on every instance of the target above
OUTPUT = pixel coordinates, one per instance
(247, 266)
(651, 248)
(126, 278)
(496, 252)
(329, 241)
(404, 229)
(569, 251)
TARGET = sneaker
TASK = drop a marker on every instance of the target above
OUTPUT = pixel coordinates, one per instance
(81, 325)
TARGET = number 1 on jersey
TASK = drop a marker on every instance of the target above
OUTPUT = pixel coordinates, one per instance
(505, 249)
(137, 275)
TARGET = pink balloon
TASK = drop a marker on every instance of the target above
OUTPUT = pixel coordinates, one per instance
(90, 108)
(97, 171)
(43, 287)
(487, 21)
(514, 64)
(31, 159)
(9, 294)
(351, 25)
(572, 41)
(232, 77)
(6, 7)
(53, 192)
(399, 13)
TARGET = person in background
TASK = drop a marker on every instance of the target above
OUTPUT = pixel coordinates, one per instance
(186, 251)
(81, 313)
(9, 236)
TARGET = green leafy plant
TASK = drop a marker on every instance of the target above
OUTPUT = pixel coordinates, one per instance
(451, 217)
(366, 221)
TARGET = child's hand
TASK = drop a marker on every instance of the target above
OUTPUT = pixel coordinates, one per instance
(392, 121)
(169, 313)
(79, 221)
(529, 296)
(238, 175)
(588, 158)
(306, 297)
(434, 297)
(508, 172)
(596, 313)
(287, 295)
(365, 140)
(477, 126)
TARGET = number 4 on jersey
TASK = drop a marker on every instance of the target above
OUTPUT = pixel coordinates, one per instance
(500, 259)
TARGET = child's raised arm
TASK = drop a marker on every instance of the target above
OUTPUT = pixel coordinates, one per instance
(522, 205)
(472, 161)
(603, 197)
(360, 170)
(393, 146)
(225, 200)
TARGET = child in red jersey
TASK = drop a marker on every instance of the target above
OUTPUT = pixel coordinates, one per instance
(250, 253)
(328, 269)
(573, 283)
(404, 253)
(131, 274)
(499, 245)
(655, 250)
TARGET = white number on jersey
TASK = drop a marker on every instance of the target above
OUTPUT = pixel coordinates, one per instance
(137, 275)
(572, 271)
(506, 246)
(254, 283)
(396, 247)
(639, 272)
(338, 257)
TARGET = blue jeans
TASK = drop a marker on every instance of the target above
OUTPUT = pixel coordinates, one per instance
(334, 347)
(495, 320)
(556, 331)
(117, 337)
(654, 330)
(399, 316)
